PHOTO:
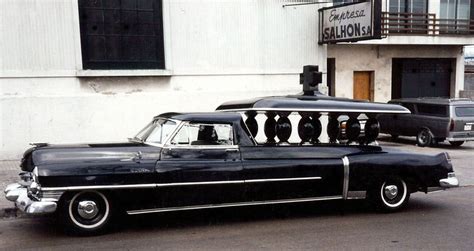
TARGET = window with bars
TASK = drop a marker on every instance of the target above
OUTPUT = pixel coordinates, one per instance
(121, 34)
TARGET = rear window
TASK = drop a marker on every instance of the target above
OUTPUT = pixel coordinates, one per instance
(465, 111)
(433, 110)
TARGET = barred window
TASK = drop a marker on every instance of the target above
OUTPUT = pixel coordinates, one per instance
(121, 34)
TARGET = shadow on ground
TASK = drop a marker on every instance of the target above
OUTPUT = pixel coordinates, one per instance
(48, 228)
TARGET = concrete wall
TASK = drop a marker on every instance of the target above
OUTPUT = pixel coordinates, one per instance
(215, 51)
(378, 58)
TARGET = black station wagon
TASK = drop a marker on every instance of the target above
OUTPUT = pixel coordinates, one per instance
(189, 161)
(432, 120)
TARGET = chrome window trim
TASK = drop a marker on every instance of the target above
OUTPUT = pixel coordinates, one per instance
(202, 147)
(158, 185)
(168, 145)
(178, 123)
(176, 130)
(238, 204)
(345, 184)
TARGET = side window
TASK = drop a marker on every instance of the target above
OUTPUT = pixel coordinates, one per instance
(204, 134)
(433, 110)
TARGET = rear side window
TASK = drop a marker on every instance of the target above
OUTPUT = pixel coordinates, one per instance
(465, 111)
(433, 110)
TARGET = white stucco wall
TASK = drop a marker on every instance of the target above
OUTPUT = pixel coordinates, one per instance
(215, 51)
(378, 58)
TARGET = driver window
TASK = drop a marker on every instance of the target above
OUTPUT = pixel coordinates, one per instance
(203, 134)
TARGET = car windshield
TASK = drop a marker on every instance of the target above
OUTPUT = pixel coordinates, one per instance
(156, 132)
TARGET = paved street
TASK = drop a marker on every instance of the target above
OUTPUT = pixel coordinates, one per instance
(439, 221)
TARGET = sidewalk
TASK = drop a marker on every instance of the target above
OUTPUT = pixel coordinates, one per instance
(9, 170)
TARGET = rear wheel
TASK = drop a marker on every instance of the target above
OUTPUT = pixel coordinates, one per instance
(391, 194)
(86, 212)
(424, 137)
(456, 143)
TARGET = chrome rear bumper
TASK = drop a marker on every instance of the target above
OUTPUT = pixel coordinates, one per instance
(449, 182)
(19, 194)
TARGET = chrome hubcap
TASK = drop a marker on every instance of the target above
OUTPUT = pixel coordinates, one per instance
(391, 191)
(87, 209)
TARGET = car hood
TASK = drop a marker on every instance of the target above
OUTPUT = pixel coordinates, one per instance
(46, 154)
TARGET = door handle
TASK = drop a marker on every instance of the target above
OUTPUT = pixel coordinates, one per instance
(137, 157)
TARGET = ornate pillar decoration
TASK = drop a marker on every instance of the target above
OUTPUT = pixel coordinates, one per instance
(305, 128)
(270, 127)
(318, 128)
(333, 128)
(352, 129)
(372, 130)
(283, 127)
(251, 122)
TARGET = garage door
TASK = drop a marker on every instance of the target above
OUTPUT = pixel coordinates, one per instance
(413, 78)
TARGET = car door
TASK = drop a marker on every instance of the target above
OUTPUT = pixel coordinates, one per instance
(201, 165)
(406, 123)
(293, 172)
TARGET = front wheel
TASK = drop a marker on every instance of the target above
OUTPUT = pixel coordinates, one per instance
(86, 212)
(391, 194)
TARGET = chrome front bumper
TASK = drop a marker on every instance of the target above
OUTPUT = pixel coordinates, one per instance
(449, 182)
(19, 194)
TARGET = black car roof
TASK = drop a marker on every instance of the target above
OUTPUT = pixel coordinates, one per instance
(229, 117)
(435, 101)
(310, 103)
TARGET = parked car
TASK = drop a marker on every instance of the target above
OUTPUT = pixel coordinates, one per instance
(192, 161)
(432, 120)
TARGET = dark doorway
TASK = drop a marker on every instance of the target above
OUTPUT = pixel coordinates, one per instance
(414, 78)
(331, 76)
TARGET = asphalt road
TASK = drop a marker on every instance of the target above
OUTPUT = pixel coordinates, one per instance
(437, 221)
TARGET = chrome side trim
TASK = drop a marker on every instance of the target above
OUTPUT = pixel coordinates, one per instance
(345, 184)
(138, 186)
(282, 179)
(264, 109)
(239, 204)
(77, 188)
(356, 195)
(200, 183)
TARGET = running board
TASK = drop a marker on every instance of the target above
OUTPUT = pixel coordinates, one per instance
(239, 204)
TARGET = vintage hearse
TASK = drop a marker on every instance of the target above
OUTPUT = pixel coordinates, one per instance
(187, 161)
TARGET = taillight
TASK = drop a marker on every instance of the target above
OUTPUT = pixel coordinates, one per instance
(451, 125)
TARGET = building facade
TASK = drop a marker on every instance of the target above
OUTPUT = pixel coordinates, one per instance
(421, 53)
(96, 70)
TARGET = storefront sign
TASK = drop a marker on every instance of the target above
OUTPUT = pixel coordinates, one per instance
(350, 22)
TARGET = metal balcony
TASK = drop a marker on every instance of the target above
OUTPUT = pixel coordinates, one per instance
(397, 23)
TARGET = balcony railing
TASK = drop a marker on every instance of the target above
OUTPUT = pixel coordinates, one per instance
(394, 23)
